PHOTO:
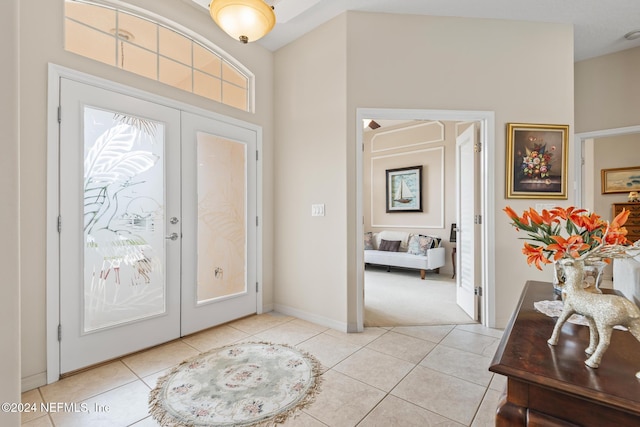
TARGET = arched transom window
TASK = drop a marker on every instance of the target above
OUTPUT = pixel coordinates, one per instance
(157, 51)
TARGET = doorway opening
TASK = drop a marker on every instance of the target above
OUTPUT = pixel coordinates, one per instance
(585, 188)
(437, 220)
(595, 151)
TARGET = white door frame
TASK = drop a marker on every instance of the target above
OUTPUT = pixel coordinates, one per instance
(487, 125)
(580, 140)
(56, 72)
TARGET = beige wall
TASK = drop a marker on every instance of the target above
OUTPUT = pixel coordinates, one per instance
(607, 153)
(410, 150)
(397, 61)
(607, 91)
(613, 152)
(35, 52)
(369, 60)
(608, 97)
(10, 212)
(429, 144)
(311, 168)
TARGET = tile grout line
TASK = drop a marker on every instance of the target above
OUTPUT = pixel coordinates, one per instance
(475, 414)
(316, 333)
(389, 393)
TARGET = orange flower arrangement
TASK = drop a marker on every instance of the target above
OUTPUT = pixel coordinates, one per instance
(568, 233)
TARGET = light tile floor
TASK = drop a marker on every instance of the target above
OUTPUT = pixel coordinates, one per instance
(402, 376)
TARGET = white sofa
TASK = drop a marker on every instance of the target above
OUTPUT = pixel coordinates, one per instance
(407, 256)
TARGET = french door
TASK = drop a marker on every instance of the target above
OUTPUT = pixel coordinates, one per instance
(156, 239)
(219, 222)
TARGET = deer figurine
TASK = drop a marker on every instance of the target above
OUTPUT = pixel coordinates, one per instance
(602, 311)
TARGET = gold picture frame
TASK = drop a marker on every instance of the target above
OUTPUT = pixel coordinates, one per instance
(620, 180)
(537, 161)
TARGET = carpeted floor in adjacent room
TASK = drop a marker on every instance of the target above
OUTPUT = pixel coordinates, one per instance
(401, 298)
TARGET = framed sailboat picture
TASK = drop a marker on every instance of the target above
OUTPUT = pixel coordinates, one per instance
(404, 189)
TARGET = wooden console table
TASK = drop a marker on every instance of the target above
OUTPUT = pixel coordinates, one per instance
(551, 385)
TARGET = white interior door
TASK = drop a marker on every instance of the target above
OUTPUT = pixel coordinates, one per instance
(219, 257)
(119, 188)
(467, 261)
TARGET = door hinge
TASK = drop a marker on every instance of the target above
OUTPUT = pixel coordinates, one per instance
(59, 332)
(477, 147)
(257, 222)
(477, 291)
(477, 219)
(59, 114)
(257, 155)
(59, 223)
(256, 286)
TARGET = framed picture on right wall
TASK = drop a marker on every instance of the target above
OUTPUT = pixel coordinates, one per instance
(620, 180)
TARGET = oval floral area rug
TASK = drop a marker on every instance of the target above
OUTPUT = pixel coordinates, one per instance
(243, 384)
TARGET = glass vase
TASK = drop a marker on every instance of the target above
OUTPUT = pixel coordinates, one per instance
(593, 268)
(558, 278)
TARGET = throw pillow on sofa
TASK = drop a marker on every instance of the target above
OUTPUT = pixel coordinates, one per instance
(368, 241)
(419, 244)
(389, 245)
(390, 235)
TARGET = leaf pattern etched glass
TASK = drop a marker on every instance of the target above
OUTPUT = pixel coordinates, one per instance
(124, 220)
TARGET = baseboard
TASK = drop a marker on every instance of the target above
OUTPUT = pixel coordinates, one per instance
(34, 381)
(311, 317)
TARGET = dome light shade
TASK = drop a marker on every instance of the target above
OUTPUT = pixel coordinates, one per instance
(244, 20)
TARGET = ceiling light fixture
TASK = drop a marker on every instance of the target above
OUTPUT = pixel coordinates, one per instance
(632, 35)
(244, 20)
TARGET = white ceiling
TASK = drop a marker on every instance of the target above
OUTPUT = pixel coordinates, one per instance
(599, 25)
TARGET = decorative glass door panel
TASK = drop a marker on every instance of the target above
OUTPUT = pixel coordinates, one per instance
(124, 256)
(119, 187)
(222, 217)
(219, 210)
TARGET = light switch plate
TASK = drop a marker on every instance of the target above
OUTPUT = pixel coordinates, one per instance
(317, 209)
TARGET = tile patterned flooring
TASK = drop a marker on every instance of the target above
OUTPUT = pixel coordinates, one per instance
(401, 376)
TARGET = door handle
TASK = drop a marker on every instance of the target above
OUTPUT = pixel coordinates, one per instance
(172, 236)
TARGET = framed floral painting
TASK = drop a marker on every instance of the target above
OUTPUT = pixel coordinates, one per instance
(537, 161)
